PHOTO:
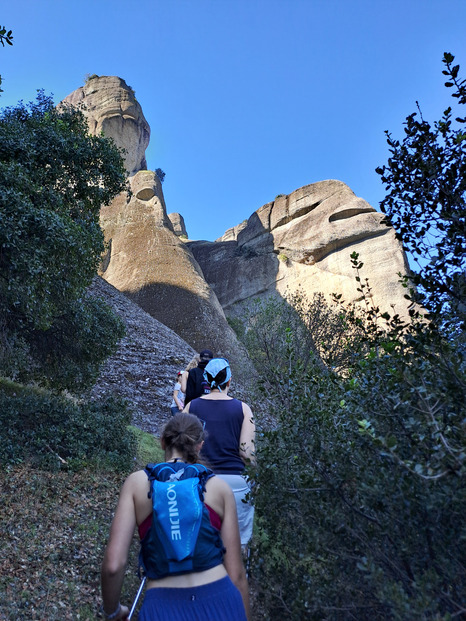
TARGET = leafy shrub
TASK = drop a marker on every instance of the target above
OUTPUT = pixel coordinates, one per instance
(52, 431)
(52, 242)
(320, 335)
(160, 174)
(367, 471)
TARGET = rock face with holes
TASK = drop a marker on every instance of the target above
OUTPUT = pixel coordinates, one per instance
(110, 106)
(303, 241)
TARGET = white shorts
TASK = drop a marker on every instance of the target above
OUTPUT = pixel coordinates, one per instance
(245, 510)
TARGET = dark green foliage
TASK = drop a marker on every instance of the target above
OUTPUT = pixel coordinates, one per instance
(70, 353)
(360, 490)
(50, 431)
(54, 178)
(5, 37)
(160, 174)
(425, 178)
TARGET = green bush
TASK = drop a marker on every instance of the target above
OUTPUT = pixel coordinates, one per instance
(52, 431)
(51, 243)
(320, 334)
(366, 469)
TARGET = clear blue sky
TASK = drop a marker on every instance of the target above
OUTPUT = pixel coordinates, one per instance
(246, 99)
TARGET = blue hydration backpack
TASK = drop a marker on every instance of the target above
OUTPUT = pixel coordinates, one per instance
(181, 538)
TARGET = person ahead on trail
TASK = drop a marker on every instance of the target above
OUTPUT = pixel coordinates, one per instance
(177, 404)
(193, 383)
(229, 445)
(209, 582)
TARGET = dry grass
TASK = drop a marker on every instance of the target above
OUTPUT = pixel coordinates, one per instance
(53, 531)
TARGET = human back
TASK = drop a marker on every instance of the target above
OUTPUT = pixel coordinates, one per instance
(182, 439)
(229, 446)
(193, 383)
(224, 420)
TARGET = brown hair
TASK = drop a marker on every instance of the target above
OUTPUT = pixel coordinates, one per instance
(183, 432)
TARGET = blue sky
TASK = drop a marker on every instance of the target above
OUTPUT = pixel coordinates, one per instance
(246, 99)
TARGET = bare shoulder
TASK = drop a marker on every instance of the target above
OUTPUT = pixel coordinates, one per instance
(218, 487)
(247, 412)
(219, 497)
(135, 481)
(246, 407)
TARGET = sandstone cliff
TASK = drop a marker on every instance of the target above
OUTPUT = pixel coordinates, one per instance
(304, 241)
(145, 259)
(112, 108)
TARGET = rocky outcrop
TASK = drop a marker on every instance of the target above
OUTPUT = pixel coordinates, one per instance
(144, 368)
(145, 259)
(179, 227)
(110, 106)
(303, 241)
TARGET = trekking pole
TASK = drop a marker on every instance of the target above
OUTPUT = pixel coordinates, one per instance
(138, 595)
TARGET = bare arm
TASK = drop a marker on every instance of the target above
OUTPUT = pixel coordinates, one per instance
(229, 532)
(184, 381)
(247, 437)
(116, 553)
(177, 400)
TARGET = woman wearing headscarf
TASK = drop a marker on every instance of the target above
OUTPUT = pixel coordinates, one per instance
(229, 445)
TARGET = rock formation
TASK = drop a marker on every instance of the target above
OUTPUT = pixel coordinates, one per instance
(143, 369)
(111, 107)
(145, 259)
(304, 241)
(179, 227)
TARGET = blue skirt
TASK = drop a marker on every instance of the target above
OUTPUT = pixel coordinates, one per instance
(216, 601)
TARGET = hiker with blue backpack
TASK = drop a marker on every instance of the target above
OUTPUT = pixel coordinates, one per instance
(229, 445)
(190, 543)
